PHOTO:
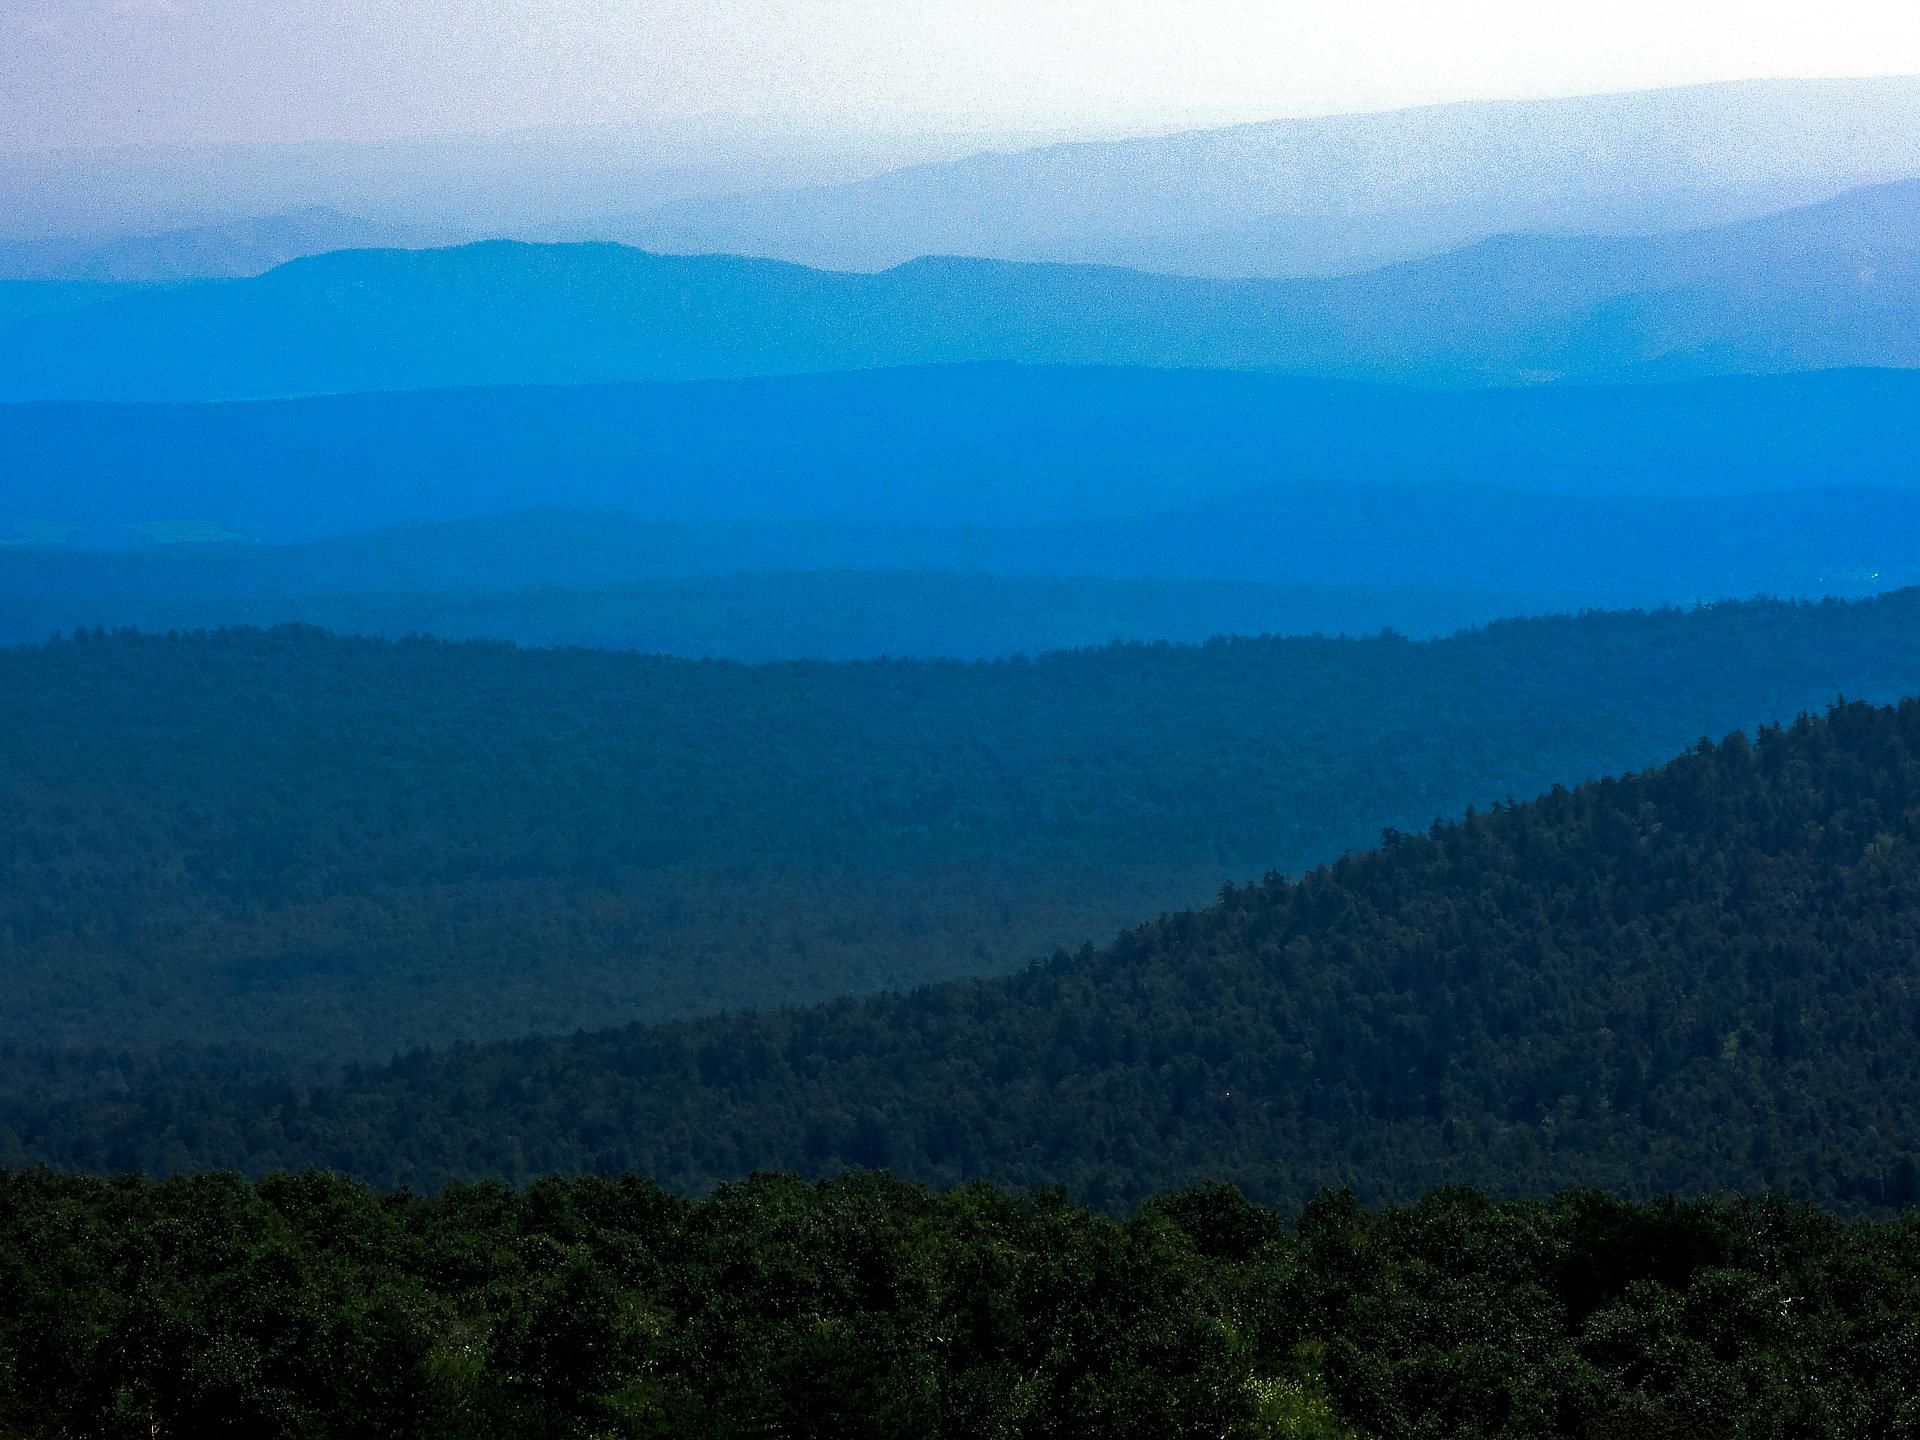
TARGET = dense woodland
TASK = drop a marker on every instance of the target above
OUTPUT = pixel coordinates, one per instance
(341, 848)
(308, 1306)
(1703, 975)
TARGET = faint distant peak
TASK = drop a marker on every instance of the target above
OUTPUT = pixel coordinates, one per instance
(226, 249)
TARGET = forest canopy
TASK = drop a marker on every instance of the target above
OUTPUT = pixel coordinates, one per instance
(309, 1306)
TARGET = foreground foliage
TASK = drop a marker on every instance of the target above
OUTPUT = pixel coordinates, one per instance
(307, 1306)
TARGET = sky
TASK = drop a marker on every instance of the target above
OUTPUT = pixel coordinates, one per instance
(159, 72)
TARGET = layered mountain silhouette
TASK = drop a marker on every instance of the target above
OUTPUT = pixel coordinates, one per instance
(1319, 195)
(1339, 193)
(1699, 975)
(1831, 285)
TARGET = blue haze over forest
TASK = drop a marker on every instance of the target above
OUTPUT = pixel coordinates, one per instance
(1503, 423)
(478, 594)
(1176, 674)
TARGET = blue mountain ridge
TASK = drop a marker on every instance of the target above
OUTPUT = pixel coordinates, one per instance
(1831, 285)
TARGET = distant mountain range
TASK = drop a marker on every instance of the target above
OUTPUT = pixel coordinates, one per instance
(1310, 196)
(468, 184)
(1834, 284)
(1336, 193)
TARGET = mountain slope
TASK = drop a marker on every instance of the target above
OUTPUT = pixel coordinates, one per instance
(341, 848)
(1340, 193)
(1704, 975)
(975, 446)
(505, 313)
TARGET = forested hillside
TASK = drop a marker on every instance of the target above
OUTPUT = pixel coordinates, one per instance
(1699, 976)
(342, 847)
(308, 1308)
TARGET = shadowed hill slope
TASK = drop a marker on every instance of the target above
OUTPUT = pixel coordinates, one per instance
(1702, 975)
(341, 848)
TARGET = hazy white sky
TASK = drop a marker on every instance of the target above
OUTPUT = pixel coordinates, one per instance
(89, 72)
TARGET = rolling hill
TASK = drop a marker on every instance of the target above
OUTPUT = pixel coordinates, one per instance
(341, 848)
(1697, 975)
(1830, 286)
